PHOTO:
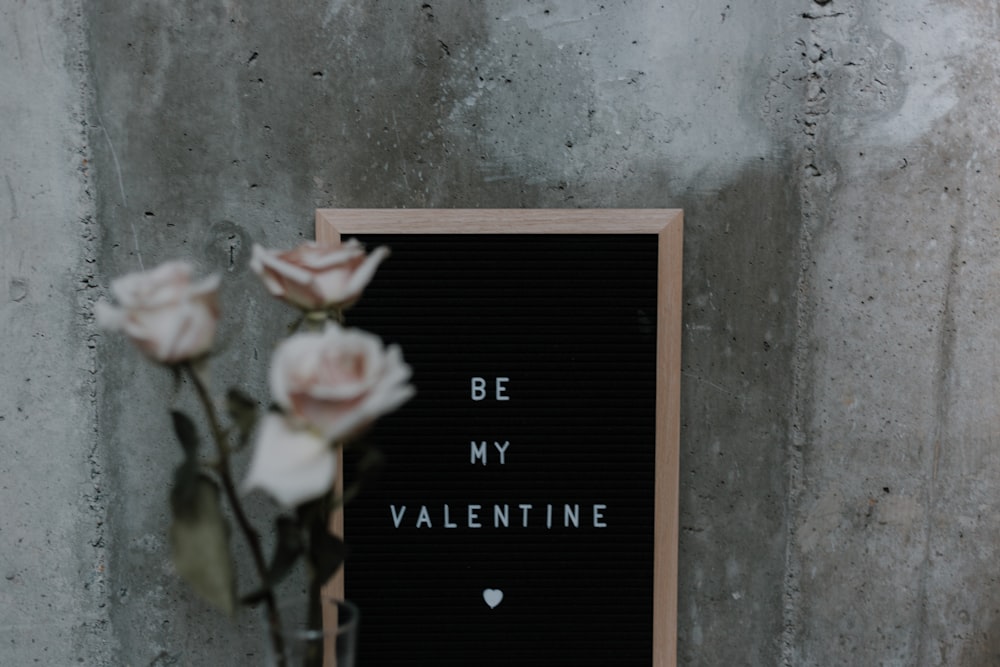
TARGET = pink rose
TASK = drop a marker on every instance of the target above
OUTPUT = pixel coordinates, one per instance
(339, 380)
(315, 276)
(291, 463)
(170, 318)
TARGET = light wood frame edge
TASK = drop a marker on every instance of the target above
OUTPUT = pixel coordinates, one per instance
(668, 225)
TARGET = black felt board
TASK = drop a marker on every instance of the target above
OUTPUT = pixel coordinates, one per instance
(570, 321)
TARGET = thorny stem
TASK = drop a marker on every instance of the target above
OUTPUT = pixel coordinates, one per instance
(251, 535)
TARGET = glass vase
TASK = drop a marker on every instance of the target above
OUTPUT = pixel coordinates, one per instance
(334, 645)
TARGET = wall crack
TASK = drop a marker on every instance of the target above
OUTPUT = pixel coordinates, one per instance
(816, 61)
(96, 626)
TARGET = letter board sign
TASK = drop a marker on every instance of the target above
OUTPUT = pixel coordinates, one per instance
(527, 511)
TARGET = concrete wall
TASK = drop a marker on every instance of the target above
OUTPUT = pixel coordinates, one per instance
(53, 562)
(838, 166)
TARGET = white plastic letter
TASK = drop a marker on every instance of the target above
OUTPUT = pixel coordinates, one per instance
(501, 515)
(571, 515)
(500, 448)
(524, 514)
(397, 518)
(478, 389)
(599, 516)
(501, 389)
(477, 452)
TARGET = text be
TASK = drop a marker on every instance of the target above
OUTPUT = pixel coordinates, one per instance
(479, 389)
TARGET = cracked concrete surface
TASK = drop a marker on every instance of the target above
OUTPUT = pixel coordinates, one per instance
(53, 564)
(837, 162)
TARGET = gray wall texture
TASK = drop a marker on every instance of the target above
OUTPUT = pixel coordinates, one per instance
(837, 161)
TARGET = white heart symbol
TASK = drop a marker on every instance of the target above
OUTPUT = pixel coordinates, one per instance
(493, 597)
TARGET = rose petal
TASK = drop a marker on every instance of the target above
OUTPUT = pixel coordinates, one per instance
(338, 380)
(293, 465)
(314, 276)
(364, 273)
(195, 332)
(154, 288)
(318, 256)
(163, 313)
(108, 317)
(270, 259)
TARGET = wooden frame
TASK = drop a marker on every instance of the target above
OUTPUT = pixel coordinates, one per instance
(667, 224)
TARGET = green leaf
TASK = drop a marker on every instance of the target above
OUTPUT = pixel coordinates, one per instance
(186, 432)
(242, 410)
(184, 496)
(290, 547)
(314, 510)
(326, 552)
(199, 544)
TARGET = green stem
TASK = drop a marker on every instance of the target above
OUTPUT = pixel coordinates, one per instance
(222, 467)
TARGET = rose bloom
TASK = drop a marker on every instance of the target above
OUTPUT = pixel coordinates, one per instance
(291, 463)
(338, 380)
(314, 276)
(163, 312)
